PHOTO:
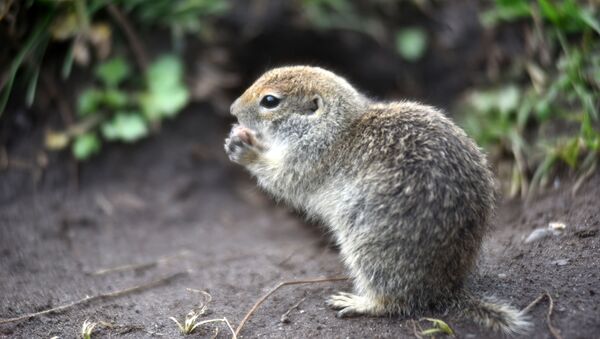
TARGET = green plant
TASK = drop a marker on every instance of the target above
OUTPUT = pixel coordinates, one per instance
(439, 327)
(120, 107)
(411, 43)
(328, 14)
(190, 323)
(87, 328)
(567, 15)
(59, 21)
(369, 18)
(179, 16)
(110, 112)
(34, 44)
(514, 117)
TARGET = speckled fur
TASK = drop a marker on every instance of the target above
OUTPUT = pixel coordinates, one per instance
(406, 194)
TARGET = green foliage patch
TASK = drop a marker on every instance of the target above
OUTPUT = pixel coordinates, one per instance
(411, 43)
(515, 116)
(114, 112)
(120, 107)
(369, 17)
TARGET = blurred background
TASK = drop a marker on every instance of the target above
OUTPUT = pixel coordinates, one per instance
(522, 77)
(114, 113)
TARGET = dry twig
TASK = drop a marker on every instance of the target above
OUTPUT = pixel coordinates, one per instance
(285, 317)
(134, 41)
(583, 178)
(146, 265)
(88, 299)
(273, 290)
(553, 330)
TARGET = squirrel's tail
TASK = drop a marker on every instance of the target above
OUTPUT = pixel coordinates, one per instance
(494, 314)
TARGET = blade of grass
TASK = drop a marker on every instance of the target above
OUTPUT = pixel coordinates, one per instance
(587, 99)
(32, 42)
(32, 86)
(35, 73)
(541, 172)
(589, 19)
(68, 63)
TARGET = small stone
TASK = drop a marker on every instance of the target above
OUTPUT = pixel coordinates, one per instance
(561, 262)
(556, 183)
(557, 225)
(501, 275)
(538, 234)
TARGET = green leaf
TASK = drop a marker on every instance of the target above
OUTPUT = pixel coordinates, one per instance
(113, 71)
(508, 99)
(114, 98)
(165, 73)
(441, 325)
(569, 153)
(505, 10)
(588, 17)
(505, 99)
(89, 101)
(411, 43)
(125, 126)
(166, 103)
(86, 145)
(549, 11)
(590, 136)
(166, 94)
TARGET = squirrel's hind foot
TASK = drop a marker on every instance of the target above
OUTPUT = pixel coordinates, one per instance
(354, 305)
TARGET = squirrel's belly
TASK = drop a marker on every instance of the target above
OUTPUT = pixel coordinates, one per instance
(331, 203)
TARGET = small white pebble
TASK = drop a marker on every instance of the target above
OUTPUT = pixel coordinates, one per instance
(537, 234)
(561, 262)
(501, 275)
(554, 228)
(557, 225)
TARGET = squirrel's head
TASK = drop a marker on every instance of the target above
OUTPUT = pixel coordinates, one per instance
(291, 102)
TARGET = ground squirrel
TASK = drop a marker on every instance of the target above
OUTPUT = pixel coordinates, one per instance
(406, 194)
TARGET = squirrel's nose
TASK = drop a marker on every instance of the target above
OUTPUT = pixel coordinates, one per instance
(232, 108)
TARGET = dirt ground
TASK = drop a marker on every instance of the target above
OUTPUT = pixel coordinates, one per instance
(174, 204)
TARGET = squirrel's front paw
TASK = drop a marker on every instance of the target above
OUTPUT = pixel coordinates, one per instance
(242, 145)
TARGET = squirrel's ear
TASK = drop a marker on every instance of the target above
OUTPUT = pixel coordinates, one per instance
(315, 104)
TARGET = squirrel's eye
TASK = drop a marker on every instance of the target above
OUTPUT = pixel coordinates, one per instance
(269, 101)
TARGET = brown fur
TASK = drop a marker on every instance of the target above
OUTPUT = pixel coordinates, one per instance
(406, 194)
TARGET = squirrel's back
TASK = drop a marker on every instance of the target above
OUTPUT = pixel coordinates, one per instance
(427, 185)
